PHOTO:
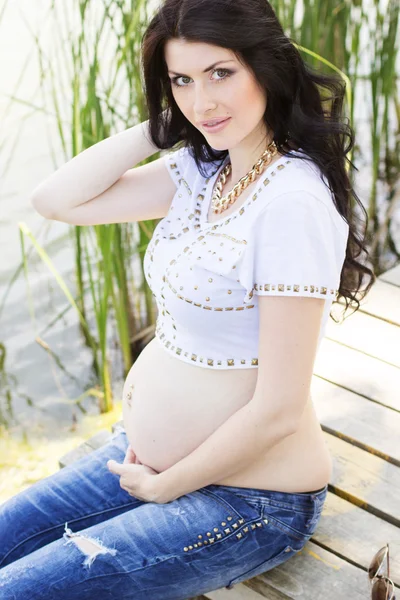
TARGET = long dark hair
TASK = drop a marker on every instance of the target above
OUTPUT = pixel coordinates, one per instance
(304, 106)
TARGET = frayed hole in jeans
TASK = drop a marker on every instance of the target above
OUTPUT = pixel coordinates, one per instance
(91, 548)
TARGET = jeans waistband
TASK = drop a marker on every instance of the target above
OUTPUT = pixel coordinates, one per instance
(292, 499)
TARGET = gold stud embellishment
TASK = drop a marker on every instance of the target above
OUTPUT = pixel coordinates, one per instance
(215, 536)
(281, 287)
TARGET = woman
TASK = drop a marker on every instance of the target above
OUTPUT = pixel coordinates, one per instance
(221, 470)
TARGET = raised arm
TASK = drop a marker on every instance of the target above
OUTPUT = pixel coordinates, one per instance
(102, 185)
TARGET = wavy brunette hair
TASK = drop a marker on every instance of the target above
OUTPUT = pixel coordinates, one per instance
(298, 111)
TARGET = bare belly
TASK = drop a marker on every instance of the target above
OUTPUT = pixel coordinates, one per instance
(176, 406)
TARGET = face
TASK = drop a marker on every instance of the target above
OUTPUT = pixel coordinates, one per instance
(229, 89)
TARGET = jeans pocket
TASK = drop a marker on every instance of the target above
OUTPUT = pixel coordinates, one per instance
(289, 521)
(276, 559)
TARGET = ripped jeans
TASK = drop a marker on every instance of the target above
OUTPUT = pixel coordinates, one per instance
(77, 535)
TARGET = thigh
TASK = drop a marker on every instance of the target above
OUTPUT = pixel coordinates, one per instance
(81, 494)
(197, 543)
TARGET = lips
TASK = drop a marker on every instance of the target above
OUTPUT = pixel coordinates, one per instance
(214, 122)
(218, 127)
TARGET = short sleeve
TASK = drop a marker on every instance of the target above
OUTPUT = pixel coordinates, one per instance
(297, 248)
(179, 164)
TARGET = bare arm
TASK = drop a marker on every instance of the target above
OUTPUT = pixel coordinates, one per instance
(92, 171)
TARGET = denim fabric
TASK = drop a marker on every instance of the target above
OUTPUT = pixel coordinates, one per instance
(211, 538)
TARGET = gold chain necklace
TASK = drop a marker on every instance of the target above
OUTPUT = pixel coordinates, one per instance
(220, 204)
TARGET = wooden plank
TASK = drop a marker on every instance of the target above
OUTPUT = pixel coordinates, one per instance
(75, 454)
(98, 440)
(369, 425)
(391, 276)
(365, 479)
(382, 301)
(358, 372)
(312, 574)
(373, 336)
(243, 591)
(352, 532)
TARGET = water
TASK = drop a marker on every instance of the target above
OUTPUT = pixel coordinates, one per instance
(45, 366)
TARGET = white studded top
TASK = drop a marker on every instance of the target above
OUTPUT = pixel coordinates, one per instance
(287, 239)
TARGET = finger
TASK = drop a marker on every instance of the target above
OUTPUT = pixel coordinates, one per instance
(130, 456)
(115, 467)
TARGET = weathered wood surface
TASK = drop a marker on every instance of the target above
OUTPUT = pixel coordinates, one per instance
(355, 390)
(93, 443)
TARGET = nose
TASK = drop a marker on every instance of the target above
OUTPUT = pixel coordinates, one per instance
(202, 101)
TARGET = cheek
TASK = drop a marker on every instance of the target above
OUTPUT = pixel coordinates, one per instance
(247, 93)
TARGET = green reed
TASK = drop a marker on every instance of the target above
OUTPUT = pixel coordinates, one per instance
(103, 253)
(334, 30)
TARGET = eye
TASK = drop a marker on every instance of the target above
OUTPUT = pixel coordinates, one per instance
(227, 72)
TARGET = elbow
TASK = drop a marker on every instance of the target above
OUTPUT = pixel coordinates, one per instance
(284, 422)
(281, 423)
(41, 207)
(287, 425)
(288, 421)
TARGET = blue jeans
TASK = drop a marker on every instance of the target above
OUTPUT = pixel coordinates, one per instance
(126, 548)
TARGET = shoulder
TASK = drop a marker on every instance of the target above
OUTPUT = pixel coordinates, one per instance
(178, 159)
(183, 159)
(304, 193)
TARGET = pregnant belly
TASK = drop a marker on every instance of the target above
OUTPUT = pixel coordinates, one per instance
(176, 406)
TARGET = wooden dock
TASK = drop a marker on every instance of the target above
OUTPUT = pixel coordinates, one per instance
(356, 393)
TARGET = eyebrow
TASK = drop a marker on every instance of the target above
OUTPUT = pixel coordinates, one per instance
(205, 70)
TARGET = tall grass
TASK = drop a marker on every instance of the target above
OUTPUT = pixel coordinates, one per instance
(102, 253)
(94, 60)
